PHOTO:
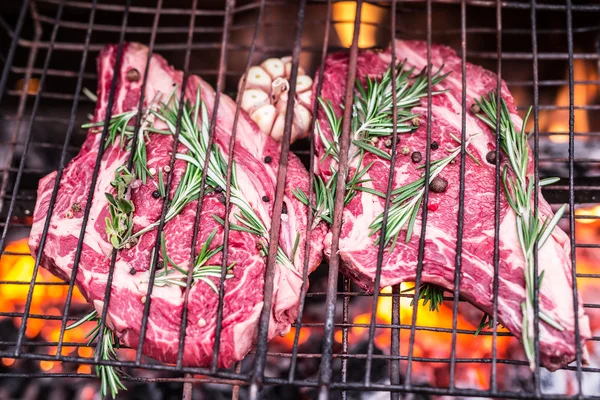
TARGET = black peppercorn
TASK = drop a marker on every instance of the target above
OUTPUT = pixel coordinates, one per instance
(388, 143)
(268, 159)
(156, 194)
(132, 271)
(475, 108)
(133, 75)
(491, 157)
(438, 185)
(265, 199)
(416, 157)
(221, 198)
(160, 265)
(434, 145)
(76, 207)
(218, 189)
(284, 208)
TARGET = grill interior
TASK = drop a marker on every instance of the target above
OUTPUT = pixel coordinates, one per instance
(549, 56)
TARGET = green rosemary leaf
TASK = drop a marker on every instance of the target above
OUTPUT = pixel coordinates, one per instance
(549, 181)
(486, 322)
(429, 293)
(296, 243)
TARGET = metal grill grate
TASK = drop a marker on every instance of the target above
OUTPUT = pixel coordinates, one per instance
(51, 46)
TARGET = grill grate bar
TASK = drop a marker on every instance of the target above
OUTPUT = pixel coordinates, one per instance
(325, 368)
(29, 134)
(461, 201)
(572, 197)
(265, 315)
(59, 177)
(310, 217)
(415, 304)
(496, 283)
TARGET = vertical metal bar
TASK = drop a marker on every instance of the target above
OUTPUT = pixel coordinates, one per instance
(17, 184)
(147, 304)
(407, 382)
(220, 85)
(61, 167)
(113, 258)
(310, 218)
(345, 319)
(395, 333)
(19, 117)
(493, 377)
(386, 207)
(325, 370)
(572, 196)
(461, 199)
(265, 315)
(395, 342)
(536, 143)
(12, 49)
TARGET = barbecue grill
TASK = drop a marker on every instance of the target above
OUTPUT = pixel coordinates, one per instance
(48, 58)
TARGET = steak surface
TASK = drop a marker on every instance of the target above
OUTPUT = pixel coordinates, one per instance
(358, 252)
(256, 178)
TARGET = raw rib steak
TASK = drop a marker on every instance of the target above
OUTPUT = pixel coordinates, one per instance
(358, 252)
(243, 292)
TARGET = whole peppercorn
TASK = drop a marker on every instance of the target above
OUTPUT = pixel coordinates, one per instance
(284, 208)
(76, 207)
(415, 121)
(491, 157)
(132, 271)
(388, 143)
(268, 159)
(434, 146)
(416, 157)
(475, 108)
(218, 189)
(156, 194)
(405, 150)
(221, 198)
(160, 265)
(133, 75)
(265, 199)
(438, 185)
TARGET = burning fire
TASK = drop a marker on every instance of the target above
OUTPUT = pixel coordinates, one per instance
(371, 17)
(49, 294)
(557, 121)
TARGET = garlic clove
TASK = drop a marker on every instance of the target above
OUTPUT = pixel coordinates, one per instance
(288, 70)
(258, 78)
(279, 128)
(305, 98)
(254, 98)
(274, 67)
(264, 117)
(303, 83)
(301, 119)
(281, 104)
(278, 87)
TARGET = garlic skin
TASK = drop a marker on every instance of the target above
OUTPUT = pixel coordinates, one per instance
(266, 95)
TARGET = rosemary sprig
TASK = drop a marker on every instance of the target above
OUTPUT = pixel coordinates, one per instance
(372, 118)
(429, 293)
(119, 128)
(109, 375)
(406, 204)
(201, 271)
(119, 225)
(518, 187)
(194, 135)
(373, 105)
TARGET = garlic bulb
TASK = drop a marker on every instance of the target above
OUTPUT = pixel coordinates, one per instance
(266, 95)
